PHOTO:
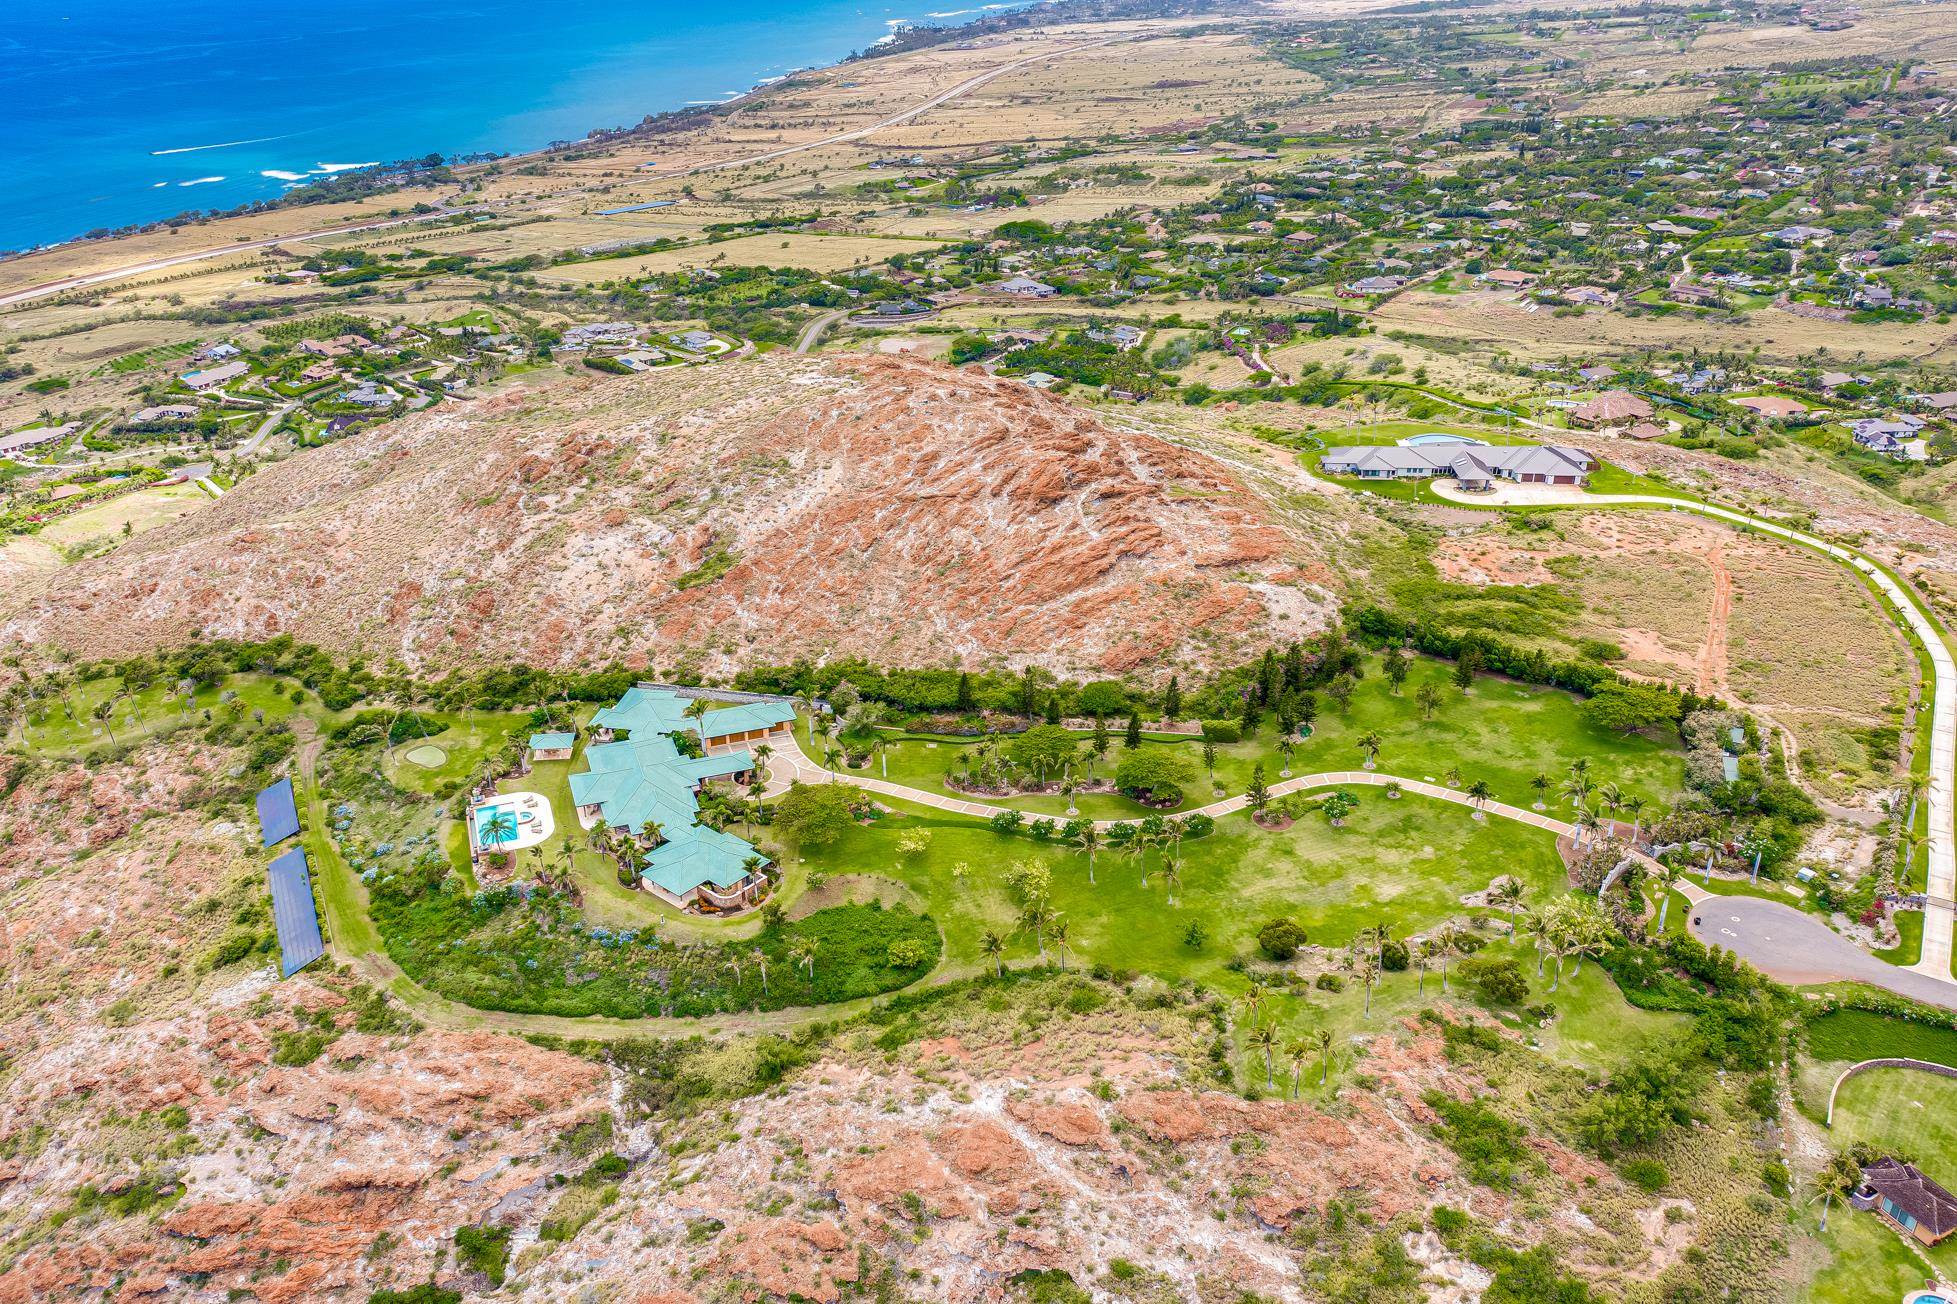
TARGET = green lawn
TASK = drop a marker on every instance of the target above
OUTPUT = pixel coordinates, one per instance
(1855, 1035)
(1502, 732)
(1912, 1115)
(67, 726)
(1405, 863)
(1869, 1261)
(1906, 1112)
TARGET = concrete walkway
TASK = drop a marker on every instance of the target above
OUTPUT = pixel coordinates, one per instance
(790, 763)
(1939, 911)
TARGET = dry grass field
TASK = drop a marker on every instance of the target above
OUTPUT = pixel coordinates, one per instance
(1693, 603)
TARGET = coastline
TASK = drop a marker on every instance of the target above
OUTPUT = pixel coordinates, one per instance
(329, 182)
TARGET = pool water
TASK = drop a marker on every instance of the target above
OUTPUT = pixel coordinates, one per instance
(1418, 441)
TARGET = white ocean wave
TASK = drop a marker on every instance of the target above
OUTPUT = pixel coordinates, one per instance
(223, 144)
(277, 175)
(343, 167)
(200, 181)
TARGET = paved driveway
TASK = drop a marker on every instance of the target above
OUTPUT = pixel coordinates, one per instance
(1795, 947)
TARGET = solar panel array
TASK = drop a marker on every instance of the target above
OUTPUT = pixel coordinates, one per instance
(292, 910)
(278, 817)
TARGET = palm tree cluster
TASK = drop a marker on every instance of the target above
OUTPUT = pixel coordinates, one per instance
(1569, 926)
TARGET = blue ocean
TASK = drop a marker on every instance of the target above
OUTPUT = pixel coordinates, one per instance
(114, 112)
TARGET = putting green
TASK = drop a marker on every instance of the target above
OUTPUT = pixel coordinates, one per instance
(427, 756)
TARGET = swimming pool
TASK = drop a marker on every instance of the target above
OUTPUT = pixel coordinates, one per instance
(512, 821)
(1438, 437)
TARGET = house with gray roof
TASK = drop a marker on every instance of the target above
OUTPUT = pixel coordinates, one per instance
(1474, 466)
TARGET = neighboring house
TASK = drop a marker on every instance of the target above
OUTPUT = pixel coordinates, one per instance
(1769, 405)
(1509, 278)
(164, 412)
(1376, 285)
(1613, 408)
(1879, 435)
(211, 377)
(1026, 287)
(25, 439)
(1474, 466)
(552, 746)
(1917, 1206)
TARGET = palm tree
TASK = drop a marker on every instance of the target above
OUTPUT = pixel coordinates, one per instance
(1171, 876)
(1424, 954)
(1138, 848)
(803, 953)
(1541, 783)
(1284, 749)
(1447, 940)
(1578, 788)
(1508, 895)
(1635, 805)
(1296, 1052)
(1540, 924)
(1035, 917)
(1369, 974)
(1323, 1038)
(1370, 742)
(995, 946)
(1587, 822)
(1059, 930)
(1612, 798)
(1668, 877)
(1088, 838)
(1253, 999)
(1264, 1037)
(760, 958)
(1480, 794)
(499, 828)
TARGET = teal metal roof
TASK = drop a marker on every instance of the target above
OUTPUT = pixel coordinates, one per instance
(645, 711)
(552, 742)
(747, 716)
(707, 856)
(644, 780)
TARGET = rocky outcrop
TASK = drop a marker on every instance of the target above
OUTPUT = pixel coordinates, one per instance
(880, 507)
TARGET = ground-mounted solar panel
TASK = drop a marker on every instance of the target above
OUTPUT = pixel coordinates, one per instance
(292, 910)
(278, 816)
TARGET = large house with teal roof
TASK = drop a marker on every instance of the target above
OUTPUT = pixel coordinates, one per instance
(645, 786)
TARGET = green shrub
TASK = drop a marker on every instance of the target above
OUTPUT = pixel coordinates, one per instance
(1498, 981)
(1279, 939)
(1223, 731)
(485, 1250)
(1648, 1175)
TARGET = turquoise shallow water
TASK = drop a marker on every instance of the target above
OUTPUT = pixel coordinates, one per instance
(110, 109)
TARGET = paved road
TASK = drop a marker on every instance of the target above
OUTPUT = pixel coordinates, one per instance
(1795, 947)
(1940, 912)
(265, 428)
(813, 332)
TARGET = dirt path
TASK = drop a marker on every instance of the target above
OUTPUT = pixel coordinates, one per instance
(1719, 614)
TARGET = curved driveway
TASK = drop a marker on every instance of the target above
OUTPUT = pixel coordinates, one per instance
(1939, 911)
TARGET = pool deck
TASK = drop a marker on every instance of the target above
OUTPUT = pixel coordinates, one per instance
(530, 832)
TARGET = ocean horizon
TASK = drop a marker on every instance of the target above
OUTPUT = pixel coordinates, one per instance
(123, 114)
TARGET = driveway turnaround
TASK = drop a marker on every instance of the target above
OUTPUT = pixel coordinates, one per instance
(1794, 947)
